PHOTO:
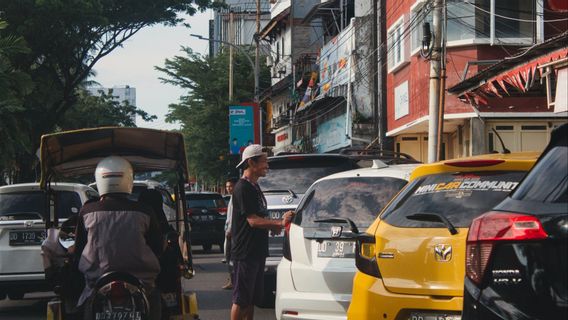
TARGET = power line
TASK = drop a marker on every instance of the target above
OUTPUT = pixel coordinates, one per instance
(511, 18)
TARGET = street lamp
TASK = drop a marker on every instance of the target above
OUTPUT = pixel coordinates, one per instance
(253, 65)
(255, 69)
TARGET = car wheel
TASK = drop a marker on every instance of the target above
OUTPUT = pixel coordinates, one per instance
(2, 295)
(15, 295)
(207, 247)
(222, 247)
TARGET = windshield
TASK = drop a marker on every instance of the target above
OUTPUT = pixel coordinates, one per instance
(460, 197)
(359, 199)
(205, 201)
(31, 205)
(548, 181)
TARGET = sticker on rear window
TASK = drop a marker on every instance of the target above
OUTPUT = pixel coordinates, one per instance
(467, 185)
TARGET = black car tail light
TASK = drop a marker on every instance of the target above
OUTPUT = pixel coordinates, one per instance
(493, 227)
(286, 247)
(365, 255)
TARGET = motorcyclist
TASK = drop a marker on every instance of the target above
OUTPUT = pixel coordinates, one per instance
(117, 234)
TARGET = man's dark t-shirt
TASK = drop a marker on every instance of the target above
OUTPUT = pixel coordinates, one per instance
(248, 242)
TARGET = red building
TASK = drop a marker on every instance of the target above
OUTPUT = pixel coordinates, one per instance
(479, 34)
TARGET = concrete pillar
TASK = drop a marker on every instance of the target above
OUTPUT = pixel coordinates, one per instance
(478, 139)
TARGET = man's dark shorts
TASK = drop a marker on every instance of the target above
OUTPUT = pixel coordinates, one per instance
(248, 281)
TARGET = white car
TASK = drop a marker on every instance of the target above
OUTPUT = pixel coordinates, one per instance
(315, 276)
(22, 230)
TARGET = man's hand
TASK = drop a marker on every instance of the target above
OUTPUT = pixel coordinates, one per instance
(287, 217)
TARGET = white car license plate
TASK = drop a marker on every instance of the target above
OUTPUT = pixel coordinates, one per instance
(336, 249)
(26, 237)
(433, 316)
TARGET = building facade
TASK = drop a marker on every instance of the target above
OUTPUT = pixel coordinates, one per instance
(478, 34)
(244, 24)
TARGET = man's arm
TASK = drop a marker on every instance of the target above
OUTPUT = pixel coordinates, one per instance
(255, 221)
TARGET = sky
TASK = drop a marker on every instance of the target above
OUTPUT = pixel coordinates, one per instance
(134, 63)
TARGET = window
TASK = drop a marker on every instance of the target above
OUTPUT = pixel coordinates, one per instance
(32, 205)
(460, 197)
(548, 181)
(471, 21)
(359, 199)
(395, 49)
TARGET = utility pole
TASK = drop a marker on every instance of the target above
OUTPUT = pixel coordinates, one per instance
(375, 74)
(440, 134)
(380, 61)
(232, 41)
(257, 68)
(434, 94)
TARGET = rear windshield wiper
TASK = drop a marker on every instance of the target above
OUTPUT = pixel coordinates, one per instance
(15, 214)
(433, 217)
(348, 221)
(292, 193)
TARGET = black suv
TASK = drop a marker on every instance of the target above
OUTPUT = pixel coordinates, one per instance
(516, 262)
(207, 213)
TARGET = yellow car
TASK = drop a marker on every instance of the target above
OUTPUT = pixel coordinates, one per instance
(411, 262)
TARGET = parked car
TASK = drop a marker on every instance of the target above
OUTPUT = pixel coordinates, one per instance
(207, 215)
(516, 262)
(22, 230)
(315, 276)
(288, 179)
(411, 262)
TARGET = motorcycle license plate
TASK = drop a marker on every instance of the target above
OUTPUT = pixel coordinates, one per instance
(336, 249)
(118, 315)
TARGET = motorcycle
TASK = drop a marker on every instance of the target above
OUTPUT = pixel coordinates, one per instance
(116, 295)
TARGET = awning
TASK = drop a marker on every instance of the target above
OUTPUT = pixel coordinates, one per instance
(273, 23)
(322, 9)
(516, 73)
(319, 101)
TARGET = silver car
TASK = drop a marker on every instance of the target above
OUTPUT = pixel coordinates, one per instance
(22, 230)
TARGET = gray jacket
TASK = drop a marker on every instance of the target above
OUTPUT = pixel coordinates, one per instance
(116, 234)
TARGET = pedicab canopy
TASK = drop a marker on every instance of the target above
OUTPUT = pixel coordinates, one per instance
(77, 152)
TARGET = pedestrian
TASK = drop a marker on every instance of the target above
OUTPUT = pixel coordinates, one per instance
(229, 186)
(249, 231)
(118, 234)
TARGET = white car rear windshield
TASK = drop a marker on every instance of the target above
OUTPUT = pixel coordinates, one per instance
(31, 205)
(359, 199)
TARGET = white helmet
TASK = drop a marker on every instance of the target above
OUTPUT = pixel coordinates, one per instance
(114, 175)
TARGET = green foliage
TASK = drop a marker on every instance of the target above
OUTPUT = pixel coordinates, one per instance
(65, 39)
(203, 111)
(92, 111)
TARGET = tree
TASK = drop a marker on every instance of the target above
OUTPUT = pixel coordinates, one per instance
(67, 38)
(93, 111)
(203, 112)
(14, 86)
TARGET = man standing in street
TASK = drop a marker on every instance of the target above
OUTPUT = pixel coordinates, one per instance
(229, 186)
(249, 231)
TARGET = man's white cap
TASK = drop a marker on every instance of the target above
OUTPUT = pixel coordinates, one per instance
(254, 150)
